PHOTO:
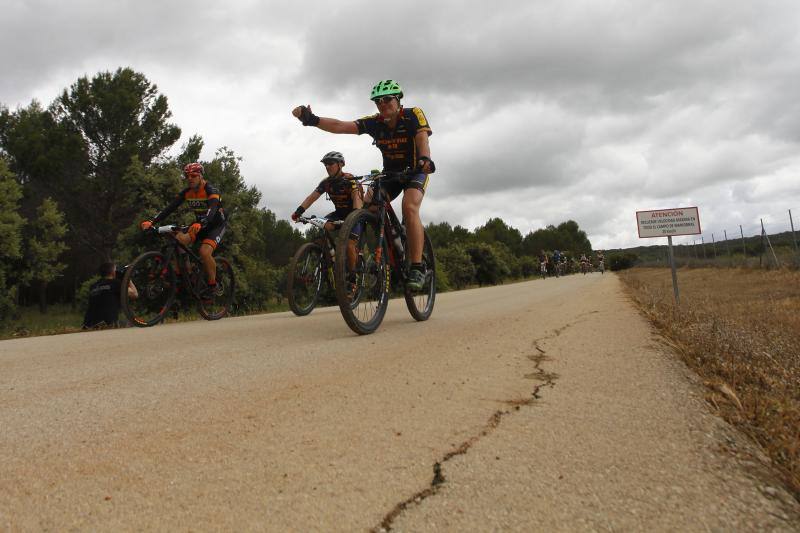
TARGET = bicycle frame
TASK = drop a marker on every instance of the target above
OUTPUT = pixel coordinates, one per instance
(329, 243)
(388, 218)
(174, 249)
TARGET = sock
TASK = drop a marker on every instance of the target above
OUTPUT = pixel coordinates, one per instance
(416, 266)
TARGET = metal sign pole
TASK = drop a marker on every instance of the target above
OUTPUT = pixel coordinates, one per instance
(674, 274)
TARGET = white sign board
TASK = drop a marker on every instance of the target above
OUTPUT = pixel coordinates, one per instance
(668, 222)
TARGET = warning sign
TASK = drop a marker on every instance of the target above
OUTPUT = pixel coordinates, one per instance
(668, 222)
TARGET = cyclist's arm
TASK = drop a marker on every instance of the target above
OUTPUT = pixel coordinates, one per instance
(422, 144)
(168, 210)
(332, 125)
(310, 199)
(213, 207)
(358, 202)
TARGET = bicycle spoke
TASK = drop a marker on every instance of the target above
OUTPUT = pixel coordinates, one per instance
(304, 278)
(154, 282)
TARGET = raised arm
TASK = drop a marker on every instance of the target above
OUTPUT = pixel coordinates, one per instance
(303, 114)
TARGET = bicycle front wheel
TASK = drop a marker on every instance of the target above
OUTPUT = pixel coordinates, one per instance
(363, 290)
(305, 278)
(154, 280)
(219, 303)
(420, 303)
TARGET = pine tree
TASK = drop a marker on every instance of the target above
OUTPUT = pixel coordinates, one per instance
(45, 246)
(11, 224)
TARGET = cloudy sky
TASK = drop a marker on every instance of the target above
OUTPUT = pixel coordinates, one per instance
(542, 111)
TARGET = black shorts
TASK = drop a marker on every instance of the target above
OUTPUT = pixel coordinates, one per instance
(211, 235)
(417, 181)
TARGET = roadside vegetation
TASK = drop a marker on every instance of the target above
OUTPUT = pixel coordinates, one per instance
(739, 329)
(79, 174)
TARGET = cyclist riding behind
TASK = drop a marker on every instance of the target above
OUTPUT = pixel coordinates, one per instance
(401, 134)
(556, 260)
(206, 202)
(345, 193)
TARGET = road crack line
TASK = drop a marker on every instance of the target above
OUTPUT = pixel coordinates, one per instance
(545, 378)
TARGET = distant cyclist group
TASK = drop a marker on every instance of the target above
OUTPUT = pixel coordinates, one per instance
(558, 263)
(374, 251)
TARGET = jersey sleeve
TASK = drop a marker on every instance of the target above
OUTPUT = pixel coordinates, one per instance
(367, 125)
(419, 121)
(175, 204)
(214, 201)
(321, 187)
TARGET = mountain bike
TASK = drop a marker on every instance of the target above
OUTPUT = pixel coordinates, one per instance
(310, 268)
(157, 282)
(363, 291)
(601, 266)
(543, 269)
(584, 267)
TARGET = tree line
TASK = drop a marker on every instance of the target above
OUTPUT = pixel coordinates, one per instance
(77, 176)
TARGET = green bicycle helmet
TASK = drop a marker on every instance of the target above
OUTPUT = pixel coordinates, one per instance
(386, 88)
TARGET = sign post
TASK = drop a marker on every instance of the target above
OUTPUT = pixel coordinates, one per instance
(669, 223)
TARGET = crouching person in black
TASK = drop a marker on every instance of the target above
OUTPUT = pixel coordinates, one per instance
(104, 298)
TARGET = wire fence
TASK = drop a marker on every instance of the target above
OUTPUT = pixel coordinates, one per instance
(771, 241)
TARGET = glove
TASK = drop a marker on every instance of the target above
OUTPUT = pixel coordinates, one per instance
(194, 229)
(421, 164)
(307, 117)
(297, 212)
(146, 225)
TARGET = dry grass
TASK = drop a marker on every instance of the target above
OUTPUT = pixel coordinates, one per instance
(739, 329)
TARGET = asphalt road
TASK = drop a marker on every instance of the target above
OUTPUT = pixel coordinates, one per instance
(538, 406)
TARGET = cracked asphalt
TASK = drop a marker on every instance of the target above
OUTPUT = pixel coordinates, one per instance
(545, 405)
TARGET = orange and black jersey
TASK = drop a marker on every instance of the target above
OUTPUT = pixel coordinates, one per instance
(397, 146)
(340, 191)
(205, 202)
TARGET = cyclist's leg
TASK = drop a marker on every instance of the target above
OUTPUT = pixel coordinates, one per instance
(209, 239)
(186, 240)
(412, 200)
(352, 252)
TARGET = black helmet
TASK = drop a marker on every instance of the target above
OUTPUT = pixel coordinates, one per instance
(333, 156)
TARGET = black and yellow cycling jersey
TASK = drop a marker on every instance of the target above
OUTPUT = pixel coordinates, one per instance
(205, 203)
(396, 145)
(340, 191)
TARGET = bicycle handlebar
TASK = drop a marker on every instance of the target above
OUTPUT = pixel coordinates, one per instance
(387, 176)
(318, 221)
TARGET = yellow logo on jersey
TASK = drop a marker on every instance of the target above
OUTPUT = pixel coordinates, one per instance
(420, 116)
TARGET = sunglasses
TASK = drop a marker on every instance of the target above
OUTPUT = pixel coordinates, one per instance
(193, 175)
(329, 163)
(384, 99)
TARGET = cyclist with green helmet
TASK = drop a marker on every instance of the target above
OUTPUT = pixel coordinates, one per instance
(401, 134)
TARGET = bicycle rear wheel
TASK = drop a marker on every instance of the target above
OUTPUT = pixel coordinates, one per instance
(362, 292)
(154, 280)
(304, 279)
(420, 303)
(219, 304)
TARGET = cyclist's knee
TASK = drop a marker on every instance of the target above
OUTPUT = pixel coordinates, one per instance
(206, 251)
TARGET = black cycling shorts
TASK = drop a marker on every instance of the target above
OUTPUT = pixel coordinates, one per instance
(211, 235)
(417, 181)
